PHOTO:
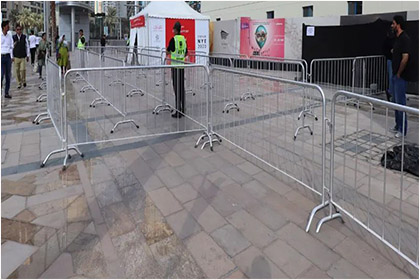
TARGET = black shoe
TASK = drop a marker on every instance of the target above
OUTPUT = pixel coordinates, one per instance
(24, 84)
(19, 87)
(7, 96)
(176, 115)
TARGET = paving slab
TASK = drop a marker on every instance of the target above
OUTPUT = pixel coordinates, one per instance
(13, 255)
(61, 268)
(310, 247)
(165, 201)
(205, 215)
(183, 224)
(344, 269)
(230, 239)
(252, 229)
(366, 259)
(209, 256)
(12, 206)
(185, 193)
(256, 265)
(284, 256)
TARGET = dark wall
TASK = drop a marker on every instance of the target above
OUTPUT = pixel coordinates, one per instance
(357, 40)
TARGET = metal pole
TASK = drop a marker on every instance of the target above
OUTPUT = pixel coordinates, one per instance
(72, 28)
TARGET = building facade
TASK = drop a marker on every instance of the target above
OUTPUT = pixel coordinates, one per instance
(226, 10)
(7, 7)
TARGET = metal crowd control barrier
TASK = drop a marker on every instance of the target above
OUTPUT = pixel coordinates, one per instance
(89, 126)
(365, 75)
(56, 108)
(264, 127)
(380, 200)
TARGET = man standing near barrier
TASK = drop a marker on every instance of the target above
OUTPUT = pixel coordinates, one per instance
(81, 44)
(20, 53)
(178, 49)
(400, 57)
(6, 56)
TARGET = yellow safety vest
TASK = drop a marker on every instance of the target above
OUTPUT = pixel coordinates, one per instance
(81, 45)
(180, 49)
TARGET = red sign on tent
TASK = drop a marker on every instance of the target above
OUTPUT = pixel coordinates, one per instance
(137, 22)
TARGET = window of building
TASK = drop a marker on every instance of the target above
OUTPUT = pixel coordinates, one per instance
(218, 19)
(270, 14)
(3, 5)
(355, 7)
(308, 11)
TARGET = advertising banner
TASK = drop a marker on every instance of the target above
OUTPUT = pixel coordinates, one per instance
(265, 37)
(226, 37)
(157, 32)
(202, 41)
(187, 30)
(137, 22)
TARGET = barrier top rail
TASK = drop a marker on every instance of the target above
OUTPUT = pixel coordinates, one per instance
(229, 54)
(280, 59)
(375, 101)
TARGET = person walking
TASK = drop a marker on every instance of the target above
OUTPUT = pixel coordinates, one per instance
(63, 54)
(6, 56)
(103, 43)
(42, 53)
(32, 46)
(178, 49)
(400, 59)
(20, 53)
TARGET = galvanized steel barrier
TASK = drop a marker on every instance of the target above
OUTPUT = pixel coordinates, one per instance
(382, 201)
(365, 75)
(264, 127)
(56, 104)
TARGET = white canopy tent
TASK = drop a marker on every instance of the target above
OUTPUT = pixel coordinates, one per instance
(153, 26)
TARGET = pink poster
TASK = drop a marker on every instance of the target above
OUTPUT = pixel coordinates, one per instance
(262, 37)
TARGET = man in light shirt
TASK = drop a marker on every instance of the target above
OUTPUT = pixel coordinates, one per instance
(6, 56)
(32, 46)
(20, 53)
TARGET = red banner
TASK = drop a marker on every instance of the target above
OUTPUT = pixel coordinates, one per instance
(187, 30)
(137, 22)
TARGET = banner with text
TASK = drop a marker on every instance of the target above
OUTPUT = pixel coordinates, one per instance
(262, 37)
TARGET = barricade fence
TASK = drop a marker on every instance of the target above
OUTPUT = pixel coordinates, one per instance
(264, 127)
(363, 75)
(360, 182)
(269, 125)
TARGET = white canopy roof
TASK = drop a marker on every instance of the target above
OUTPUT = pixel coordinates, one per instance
(172, 9)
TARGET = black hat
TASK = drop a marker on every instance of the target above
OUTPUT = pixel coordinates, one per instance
(177, 26)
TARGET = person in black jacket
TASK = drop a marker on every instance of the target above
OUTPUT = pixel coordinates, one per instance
(20, 52)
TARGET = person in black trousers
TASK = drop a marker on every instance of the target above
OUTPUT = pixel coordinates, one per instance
(178, 49)
(103, 43)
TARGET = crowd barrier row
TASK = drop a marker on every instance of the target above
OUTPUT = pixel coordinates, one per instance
(263, 124)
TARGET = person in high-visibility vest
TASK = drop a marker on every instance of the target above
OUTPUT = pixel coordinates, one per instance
(178, 49)
(81, 44)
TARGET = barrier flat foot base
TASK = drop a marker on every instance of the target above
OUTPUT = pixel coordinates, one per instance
(326, 219)
(313, 212)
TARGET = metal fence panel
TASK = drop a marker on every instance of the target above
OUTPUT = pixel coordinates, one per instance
(264, 127)
(381, 200)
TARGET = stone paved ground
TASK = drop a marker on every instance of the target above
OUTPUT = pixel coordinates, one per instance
(162, 209)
